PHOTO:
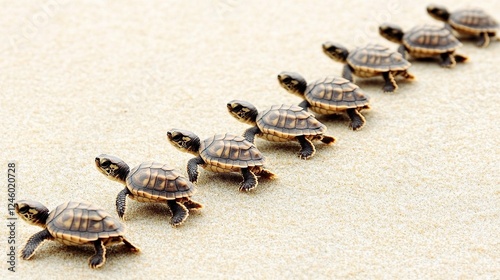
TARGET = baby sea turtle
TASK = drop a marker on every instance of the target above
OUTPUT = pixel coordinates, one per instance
(425, 41)
(72, 223)
(332, 95)
(150, 182)
(221, 153)
(281, 123)
(471, 22)
(370, 61)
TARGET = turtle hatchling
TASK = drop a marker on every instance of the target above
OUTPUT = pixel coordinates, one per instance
(425, 41)
(281, 123)
(331, 95)
(470, 22)
(150, 182)
(370, 61)
(221, 153)
(73, 223)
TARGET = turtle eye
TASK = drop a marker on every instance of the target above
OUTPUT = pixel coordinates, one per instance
(24, 209)
(177, 138)
(237, 108)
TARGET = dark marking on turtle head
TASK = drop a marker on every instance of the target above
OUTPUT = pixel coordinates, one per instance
(112, 167)
(33, 212)
(243, 111)
(438, 12)
(335, 51)
(293, 83)
(391, 32)
(184, 140)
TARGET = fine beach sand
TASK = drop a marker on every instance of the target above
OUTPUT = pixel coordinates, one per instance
(413, 195)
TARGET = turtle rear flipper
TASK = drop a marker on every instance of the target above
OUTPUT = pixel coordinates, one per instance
(249, 180)
(357, 120)
(459, 58)
(265, 173)
(99, 258)
(131, 246)
(179, 212)
(192, 205)
(329, 140)
(307, 148)
(390, 83)
(448, 60)
(483, 41)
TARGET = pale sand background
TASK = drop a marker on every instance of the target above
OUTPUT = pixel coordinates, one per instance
(415, 194)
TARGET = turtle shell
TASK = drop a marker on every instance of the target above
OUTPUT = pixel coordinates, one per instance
(229, 152)
(76, 223)
(375, 59)
(155, 182)
(334, 94)
(430, 40)
(288, 121)
(472, 21)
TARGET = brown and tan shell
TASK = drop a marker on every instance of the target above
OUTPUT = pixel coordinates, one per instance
(285, 122)
(229, 152)
(77, 223)
(429, 40)
(156, 182)
(374, 59)
(334, 95)
(472, 21)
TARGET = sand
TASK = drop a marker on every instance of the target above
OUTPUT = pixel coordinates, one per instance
(413, 195)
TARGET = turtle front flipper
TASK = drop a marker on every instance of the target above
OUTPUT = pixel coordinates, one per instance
(357, 120)
(304, 104)
(250, 133)
(34, 242)
(121, 202)
(390, 83)
(131, 246)
(192, 205)
(99, 258)
(307, 147)
(249, 180)
(179, 212)
(192, 168)
(347, 73)
(402, 51)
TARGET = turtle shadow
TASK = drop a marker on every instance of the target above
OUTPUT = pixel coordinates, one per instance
(81, 253)
(153, 211)
(229, 182)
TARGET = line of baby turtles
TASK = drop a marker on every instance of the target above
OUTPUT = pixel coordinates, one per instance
(75, 223)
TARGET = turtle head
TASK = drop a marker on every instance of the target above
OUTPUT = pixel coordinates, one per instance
(112, 167)
(438, 12)
(243, 111)
(335, 51)
(33, 212)
(293, 83)
(184, 140)
(391, 32)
